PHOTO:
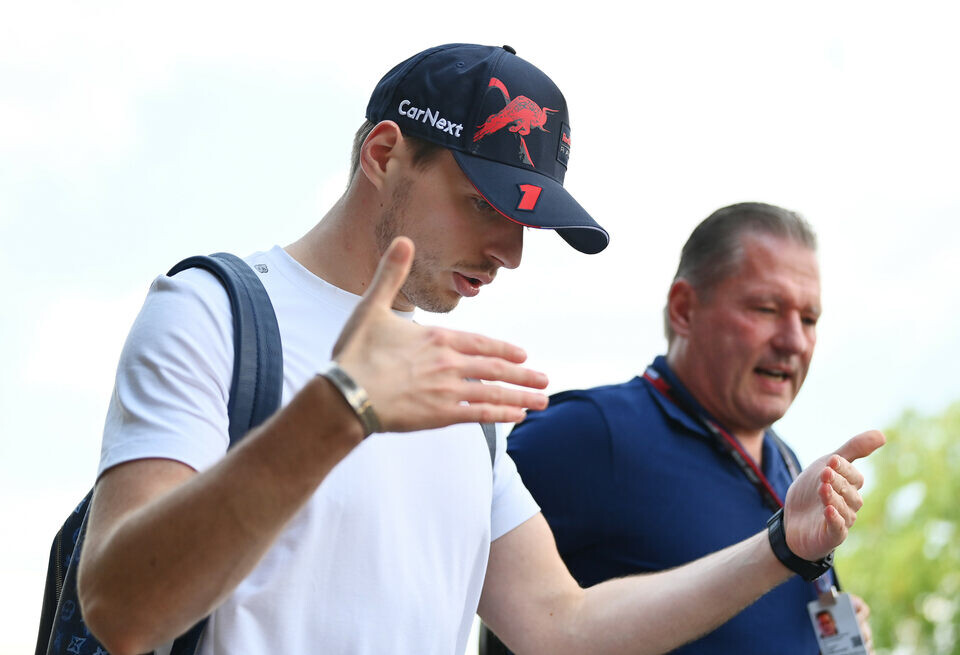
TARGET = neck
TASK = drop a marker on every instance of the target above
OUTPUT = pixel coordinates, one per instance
(752, 443)
(342, 247)
(751, 440)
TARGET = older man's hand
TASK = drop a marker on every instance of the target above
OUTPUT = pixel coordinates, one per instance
(823, 502)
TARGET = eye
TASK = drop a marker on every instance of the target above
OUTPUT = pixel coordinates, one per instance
(482, 205)
(766, 309)
(810, 321)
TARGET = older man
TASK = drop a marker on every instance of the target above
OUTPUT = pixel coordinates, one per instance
(681, 461)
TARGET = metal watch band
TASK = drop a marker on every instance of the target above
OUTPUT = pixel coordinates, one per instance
(806, 569)
(355, 395)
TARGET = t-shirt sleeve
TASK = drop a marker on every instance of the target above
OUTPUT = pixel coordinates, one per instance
(564, 458)
(512, 503)
(173, 379)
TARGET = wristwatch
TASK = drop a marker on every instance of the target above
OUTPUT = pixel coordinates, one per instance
(355, 395)
(806, 569)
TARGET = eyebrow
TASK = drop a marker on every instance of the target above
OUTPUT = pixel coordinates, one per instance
(780, 300)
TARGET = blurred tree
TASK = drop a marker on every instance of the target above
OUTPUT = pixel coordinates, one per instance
(903, 555)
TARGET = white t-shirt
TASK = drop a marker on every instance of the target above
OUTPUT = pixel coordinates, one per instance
(389, 554)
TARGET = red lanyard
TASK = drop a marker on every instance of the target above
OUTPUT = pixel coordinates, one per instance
(729, 444)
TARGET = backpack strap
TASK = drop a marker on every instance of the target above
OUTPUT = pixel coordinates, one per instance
(490, 435)
(258, 353)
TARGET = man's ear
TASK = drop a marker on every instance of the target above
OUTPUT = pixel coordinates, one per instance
(381, 145)
(681, 302)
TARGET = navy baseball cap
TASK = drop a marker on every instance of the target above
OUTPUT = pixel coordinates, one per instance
(506, 124)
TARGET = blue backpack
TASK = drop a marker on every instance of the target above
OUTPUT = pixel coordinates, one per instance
(254, 395)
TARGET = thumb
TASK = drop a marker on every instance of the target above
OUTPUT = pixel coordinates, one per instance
(861, 445)
(391, 273)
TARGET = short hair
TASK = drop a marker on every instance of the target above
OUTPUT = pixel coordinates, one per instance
(713, 251)
(423, 151)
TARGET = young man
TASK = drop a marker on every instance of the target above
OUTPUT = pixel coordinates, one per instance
(316, 535)
(668, 467)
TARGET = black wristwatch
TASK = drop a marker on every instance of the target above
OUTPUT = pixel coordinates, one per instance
(806, 569)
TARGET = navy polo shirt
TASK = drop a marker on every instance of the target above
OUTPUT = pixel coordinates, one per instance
(631, 483)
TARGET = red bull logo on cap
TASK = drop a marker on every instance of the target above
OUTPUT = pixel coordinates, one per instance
(521, 115)
(563, 148)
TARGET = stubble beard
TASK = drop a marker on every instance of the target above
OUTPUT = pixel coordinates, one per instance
(417, 287)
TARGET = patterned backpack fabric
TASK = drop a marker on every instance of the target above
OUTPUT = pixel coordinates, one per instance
(254, 395)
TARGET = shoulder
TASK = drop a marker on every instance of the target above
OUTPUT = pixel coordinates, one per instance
(192, 290)
(181, 316)
(577, 421)
(605, 405)
(173, 378)
(602, 396)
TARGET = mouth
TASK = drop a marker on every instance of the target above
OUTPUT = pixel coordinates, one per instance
(469, 286)
(778, 375)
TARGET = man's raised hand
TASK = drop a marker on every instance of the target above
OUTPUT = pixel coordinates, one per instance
(823, 502)
(415, 376)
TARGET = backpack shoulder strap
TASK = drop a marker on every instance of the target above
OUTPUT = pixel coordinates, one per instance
(490, 435)
(258, 353)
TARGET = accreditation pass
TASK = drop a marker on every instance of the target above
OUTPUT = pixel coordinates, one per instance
(835, 624)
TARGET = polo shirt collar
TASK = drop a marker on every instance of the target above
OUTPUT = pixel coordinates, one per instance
(672, 409)
(676, 413)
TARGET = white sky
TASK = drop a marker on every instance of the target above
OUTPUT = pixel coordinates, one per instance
(132, 136)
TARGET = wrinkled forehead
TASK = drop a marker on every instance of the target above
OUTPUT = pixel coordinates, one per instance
(775, 265)
(759, 253)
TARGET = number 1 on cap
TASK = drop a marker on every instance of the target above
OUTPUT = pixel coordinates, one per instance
(529, 196)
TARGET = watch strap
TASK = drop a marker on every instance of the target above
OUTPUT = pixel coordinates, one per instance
(806, 569)
(355, 395)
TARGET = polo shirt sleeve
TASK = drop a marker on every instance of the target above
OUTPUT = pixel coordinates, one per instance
(564, 457)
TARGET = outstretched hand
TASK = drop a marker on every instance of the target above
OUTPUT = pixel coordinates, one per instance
(823, 502)
(416, 376)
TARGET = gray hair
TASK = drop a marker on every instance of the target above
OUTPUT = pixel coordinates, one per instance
(715, 247)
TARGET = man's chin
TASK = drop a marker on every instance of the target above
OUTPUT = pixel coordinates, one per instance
(770, 414)
(435, 303)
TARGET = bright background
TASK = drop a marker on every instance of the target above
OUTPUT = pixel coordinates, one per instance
(133, 135)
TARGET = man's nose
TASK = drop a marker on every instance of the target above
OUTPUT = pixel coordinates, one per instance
(506, 243)
(792, 334)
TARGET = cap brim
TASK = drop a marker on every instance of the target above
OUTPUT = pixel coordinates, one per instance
(510, 190)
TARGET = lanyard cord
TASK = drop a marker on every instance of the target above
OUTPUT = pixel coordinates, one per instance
(729, 444)
(743, 460)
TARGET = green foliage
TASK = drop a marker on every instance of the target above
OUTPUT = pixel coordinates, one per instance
(903, 554)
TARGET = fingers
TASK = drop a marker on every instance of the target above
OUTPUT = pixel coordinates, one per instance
(839, 486)
(834, 525)
(845, 488)
(391, 273)
(832, 498)
(860, 607)
(847, 470)
(863, 614)
(483, 368)
(483, 413)
(861, 445)
(479, 345)
(491, 394)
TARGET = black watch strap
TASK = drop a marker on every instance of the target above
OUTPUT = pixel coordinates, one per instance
(806, 569)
